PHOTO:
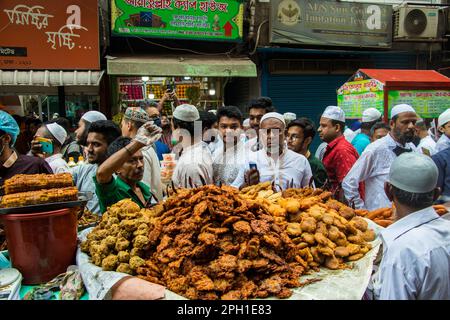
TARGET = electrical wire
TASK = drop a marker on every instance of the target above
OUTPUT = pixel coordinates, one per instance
(257, 36)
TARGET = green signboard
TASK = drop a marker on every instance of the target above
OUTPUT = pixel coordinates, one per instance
(427, 103)
(356, 96)
(180, 19)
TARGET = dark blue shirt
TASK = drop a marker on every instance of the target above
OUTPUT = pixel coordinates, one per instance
(161, 148)
(442, 160)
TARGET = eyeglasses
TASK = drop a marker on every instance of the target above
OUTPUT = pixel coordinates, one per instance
(292, 137)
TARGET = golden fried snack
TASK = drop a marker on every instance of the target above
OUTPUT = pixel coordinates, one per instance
(33, 182)
(39, 197)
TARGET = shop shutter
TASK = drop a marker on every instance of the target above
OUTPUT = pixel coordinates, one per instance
(305, 95)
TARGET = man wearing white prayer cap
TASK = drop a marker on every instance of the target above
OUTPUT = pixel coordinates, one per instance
(373, 165)
(444, 127)
(274, 162)
(370, 116)
(57, 135)
(83, 125)
(416, 247)
(289, 116)
(339, 154)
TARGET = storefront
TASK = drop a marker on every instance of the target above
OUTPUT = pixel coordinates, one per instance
(49, 58)
(197, 80)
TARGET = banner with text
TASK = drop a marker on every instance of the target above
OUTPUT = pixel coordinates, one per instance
(39, 34)
(182, 19)
(356, 96)
(332, 23)
(427, 103)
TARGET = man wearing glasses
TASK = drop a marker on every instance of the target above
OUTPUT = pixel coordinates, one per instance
(154, 115)
(300, 133)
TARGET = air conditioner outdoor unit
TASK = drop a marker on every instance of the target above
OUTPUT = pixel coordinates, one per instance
(414, 22)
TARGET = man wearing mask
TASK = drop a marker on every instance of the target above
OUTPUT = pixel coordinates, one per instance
(257, 109)
(369, 118)
(416, 248)
(57, 135)
(126, 160)
(228, 160)
(100, 135)
(11, 162)
(275, 162)
(83, 125)
(373, 165)
(159, 147)
(300, 134)
(132, 121)
(194, 167)
(339, 154)
(444, 127)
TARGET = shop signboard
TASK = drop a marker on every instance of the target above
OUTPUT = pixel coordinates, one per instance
(334, 23)
(42, 34)
(427, 103)
(356, 96)
(180, 19)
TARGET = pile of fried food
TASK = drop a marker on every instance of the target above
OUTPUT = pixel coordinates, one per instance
(87, 218)
(24, 189)
(385, 216)
(328, 232)
(120, 240)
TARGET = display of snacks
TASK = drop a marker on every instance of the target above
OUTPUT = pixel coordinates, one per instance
(32, 182)
(120, 241)
(169, 156)
(167, 167)
(39, 197)
(87, 219)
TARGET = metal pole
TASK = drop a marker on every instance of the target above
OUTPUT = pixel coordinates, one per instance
(40, 107)
(48, 108)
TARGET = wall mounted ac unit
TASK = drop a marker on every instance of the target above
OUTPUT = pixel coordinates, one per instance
(414, 22)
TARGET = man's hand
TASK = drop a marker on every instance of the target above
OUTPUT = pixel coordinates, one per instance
(36, 148)
(132, 288)
(147, 134)
(251, 177)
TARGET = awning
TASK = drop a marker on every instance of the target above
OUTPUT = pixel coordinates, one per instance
(193, 66)
(47, 82)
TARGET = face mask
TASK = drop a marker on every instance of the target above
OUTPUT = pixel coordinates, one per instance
(173, 141)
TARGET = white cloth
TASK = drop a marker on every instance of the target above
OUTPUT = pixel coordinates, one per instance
(442, 144)
(92, 116)
(252, 144)
(186, 112)
(152, 171)
(217, 144)
(321, 150)
(400, 108)
(289, 167)
(444, 117)
(57, 163)
(58, 132)
(416, 259)
(334, 113)
(372, 168)
(274, 115)
(349, 134)
(83, 177)
(370, 114)
(427, 143)
(226, 165)
(195, 161)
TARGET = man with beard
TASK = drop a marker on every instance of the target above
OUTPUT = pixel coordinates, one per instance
(275, 162)
(300, 134)
(126, 160)
(373, 165)
(444, 127)
(101, 134)
(83, 125)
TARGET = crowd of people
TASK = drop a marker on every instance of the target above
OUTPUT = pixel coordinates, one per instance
(365, 167)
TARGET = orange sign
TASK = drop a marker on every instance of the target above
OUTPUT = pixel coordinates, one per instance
(49, 34)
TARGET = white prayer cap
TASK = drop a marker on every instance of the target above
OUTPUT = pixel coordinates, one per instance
(334, 113)
(274, 115)
(92, 116)
(400, 108)
(246, 122)
(289, 116)
(370, 115)
(414, 172)
(444, 118)
(186, 112)
(57, 131)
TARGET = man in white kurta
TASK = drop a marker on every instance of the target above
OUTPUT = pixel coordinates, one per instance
(444, 126)
(416, 248)
(372, 167)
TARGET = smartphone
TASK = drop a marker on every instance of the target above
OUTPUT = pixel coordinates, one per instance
(252, 165)
(46, 145)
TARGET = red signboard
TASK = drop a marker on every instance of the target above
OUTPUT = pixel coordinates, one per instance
(49, 34)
